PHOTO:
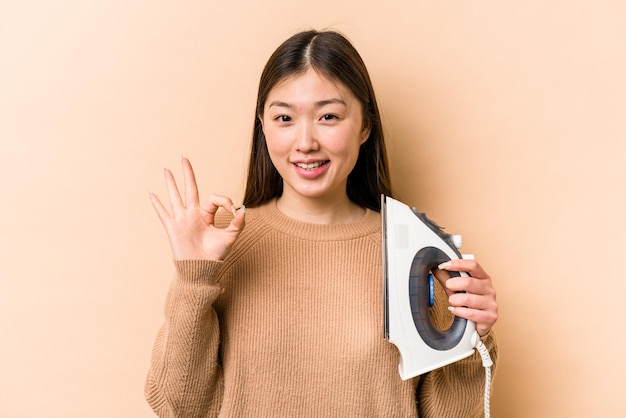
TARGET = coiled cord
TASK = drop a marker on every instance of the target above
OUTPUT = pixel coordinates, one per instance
(487, 363)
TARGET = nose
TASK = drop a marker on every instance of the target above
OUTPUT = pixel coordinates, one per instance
(306, 140)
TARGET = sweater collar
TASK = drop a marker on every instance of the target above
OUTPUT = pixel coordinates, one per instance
(369, 224)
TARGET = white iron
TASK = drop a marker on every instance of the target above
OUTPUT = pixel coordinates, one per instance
(412, 247)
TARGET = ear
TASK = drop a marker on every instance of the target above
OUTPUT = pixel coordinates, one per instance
(365, 133)
(260, 124)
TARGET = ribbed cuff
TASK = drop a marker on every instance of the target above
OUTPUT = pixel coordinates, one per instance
(197, 271)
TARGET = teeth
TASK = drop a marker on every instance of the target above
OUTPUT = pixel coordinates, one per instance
(311, 166)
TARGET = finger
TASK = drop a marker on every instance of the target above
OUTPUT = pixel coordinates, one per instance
(163, 214)
(479, 316)
(479, 286)
(172, 189)
(191, 186)
(469, 266)
(214, 203)
(472, 301)
(239, 220)
(484, 319)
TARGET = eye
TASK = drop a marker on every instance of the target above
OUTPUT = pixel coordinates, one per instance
(329, 117)
(283, 118)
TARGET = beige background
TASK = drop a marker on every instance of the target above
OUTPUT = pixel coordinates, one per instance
(506, 123)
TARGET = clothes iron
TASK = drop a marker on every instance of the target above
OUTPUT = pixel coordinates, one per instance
(413, 246)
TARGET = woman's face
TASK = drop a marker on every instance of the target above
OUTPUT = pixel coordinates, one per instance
(313, 127)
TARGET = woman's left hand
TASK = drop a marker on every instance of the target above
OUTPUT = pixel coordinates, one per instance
(472, 297)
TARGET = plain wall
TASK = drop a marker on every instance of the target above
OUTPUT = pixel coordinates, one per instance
(506, 123)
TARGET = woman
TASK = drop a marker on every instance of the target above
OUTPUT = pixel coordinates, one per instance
(276, 308)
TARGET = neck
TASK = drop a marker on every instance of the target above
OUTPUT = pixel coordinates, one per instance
(318, 211)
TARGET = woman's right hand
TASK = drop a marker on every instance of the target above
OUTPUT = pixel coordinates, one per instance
(190, 227)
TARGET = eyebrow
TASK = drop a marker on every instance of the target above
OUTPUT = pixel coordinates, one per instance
(320, 103)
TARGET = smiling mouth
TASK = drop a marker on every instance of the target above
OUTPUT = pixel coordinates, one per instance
(312, 166)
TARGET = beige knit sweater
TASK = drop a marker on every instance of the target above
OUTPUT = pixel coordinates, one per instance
(290, 325)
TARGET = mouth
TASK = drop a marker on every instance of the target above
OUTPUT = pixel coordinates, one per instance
(311, 166)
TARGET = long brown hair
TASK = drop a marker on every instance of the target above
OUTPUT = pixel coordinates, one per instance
(334, 57)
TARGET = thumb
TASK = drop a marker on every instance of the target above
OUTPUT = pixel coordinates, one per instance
(239, 220)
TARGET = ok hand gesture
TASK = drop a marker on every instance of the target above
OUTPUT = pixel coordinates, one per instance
(190, 227)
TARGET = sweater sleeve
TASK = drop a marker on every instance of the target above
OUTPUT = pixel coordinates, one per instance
(456, 390)
(185, 377)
